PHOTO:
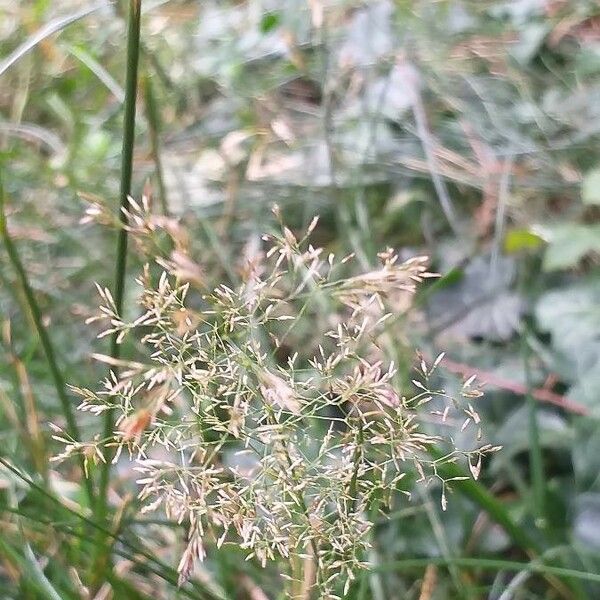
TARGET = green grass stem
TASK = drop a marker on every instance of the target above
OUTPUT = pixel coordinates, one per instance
(133, 51)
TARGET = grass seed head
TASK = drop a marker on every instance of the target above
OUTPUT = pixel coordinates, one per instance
(276, 411)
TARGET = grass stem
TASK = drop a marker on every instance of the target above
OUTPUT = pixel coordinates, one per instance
(133, 51)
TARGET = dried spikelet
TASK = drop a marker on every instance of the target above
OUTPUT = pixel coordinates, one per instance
(194, 551)
(97, 211)
(393, 281)
(277, 392)
(184, 268)
(133, 426)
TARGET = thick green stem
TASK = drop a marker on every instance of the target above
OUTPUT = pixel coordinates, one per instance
(133, 50)
(47, 346)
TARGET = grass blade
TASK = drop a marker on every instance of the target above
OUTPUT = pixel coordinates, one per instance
(98, 70)
(491, 564)
(30, 571)
(133, 51)
(486, 501)
(495, 510)
(137, 551)
(46, 31)
(36, 573)
(36, 313)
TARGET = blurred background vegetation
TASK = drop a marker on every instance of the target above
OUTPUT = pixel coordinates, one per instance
(467, 130)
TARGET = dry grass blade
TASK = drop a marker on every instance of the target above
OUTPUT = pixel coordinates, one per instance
(46, 31)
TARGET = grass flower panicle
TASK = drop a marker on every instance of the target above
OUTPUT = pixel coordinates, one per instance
(252, 428)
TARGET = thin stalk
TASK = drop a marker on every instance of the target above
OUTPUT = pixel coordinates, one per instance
(356, 459)
(536, 464)
(436, 524)
(154, 131)
(426, 139)
(133, 51)
(301, 502)
(299, 499)
(370, 578)
(343, 215)
(32, 433)
(166, 81)
(47, 346)
(489, 564)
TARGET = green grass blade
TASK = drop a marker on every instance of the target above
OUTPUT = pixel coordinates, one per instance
(476, 492)
(30, 571)
(48, 347)
(46, 31)
(153, 118)
(36, 573)
(491, 564)
(135, 552)
(98, 70)
(538, 478)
